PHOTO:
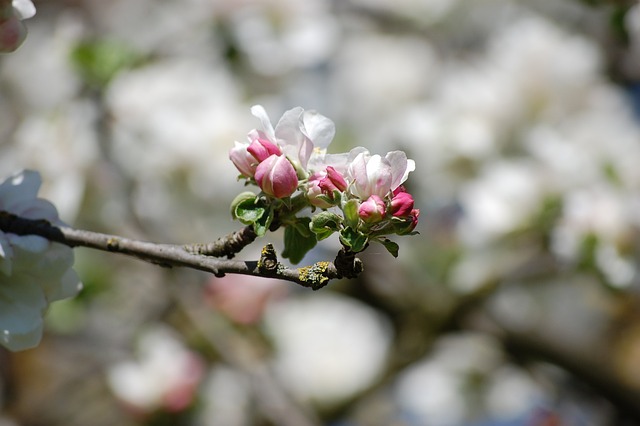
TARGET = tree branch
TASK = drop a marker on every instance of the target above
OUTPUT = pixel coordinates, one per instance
(228, 246)
(315, 276)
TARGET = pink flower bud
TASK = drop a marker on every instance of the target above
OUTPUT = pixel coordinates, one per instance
(261, 147)
(325, 183)
(409, 223)
(401, 203)
(242, 159)
(372, 210)
(414, 219)
(314, 192)
(276, 176)
(333, 181)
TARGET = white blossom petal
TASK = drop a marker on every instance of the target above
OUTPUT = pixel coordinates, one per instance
(20, 187)
(21, 306)
(400, 167)
(28, 243)
(70, 285)
(24, 8)
(290, 137)
(318, 128)
(259, 112)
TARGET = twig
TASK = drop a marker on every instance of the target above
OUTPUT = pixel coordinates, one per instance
(228, 246)
(315, 276)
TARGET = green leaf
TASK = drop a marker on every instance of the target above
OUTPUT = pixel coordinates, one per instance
(261, 225)
(350, 210)
(403, 226)
(249, 210)
(296, 243)
(355, 240)
(241, 198)
(324, 224)
(390, 246)
(302, 227)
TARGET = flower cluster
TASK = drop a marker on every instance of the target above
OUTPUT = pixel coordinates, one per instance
(33, 271)
(12, 30)
(361, 195)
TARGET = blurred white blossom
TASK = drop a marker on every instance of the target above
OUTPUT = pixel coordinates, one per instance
(33, 271)
(163, 125)
(438, 389)
(279, 36)
(24, 8)
(226, 394)
(502, 199)
(327, 347)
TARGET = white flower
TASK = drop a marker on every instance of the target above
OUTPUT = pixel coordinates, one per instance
(375, 175)
(299, 133)
(33, 271)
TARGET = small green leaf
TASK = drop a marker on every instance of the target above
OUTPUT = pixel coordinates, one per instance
(262, 223)
(241, 198)
(355, 240)
(249, 211)
(337, 197)
(324, 224)
(390, 246)
(403, 226)
(296, 243)
(350, 210)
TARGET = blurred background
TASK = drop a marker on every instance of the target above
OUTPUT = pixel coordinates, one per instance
(518, 303)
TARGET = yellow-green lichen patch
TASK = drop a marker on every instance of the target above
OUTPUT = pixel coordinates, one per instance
(315, 276)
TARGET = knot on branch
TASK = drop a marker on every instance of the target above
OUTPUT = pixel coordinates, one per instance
(347, 264)
(268, 262)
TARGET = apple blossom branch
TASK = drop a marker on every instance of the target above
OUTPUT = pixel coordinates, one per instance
(314, 276)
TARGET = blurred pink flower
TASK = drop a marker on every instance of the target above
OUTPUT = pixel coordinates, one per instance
(12, 30)
(243, 299)
(165, 377)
